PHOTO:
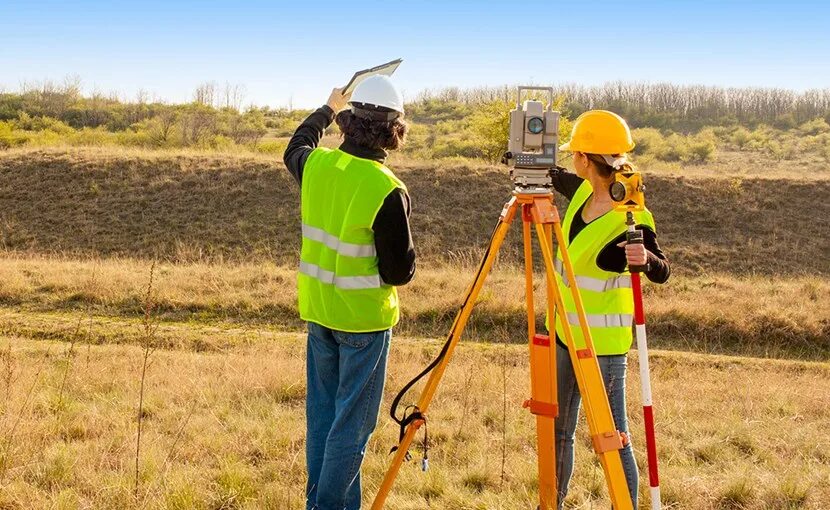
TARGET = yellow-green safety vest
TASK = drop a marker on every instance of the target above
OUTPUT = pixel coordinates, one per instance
(339, 285)
(606, 295)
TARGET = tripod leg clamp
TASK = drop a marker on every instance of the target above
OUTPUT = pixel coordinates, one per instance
(607, 441)
(541, 408)
(585, 353)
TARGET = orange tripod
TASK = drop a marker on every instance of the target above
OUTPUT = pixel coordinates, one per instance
(537, 212)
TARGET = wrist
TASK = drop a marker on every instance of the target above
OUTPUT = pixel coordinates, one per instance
(329, 112)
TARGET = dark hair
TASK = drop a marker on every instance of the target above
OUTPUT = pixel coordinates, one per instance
(605, 170)
(374, 134)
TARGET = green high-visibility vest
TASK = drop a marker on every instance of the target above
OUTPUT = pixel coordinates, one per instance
(606, 295)
(339, 285)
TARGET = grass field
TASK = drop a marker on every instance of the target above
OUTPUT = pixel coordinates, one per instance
(742, 333)
(747, 315)
(224, 429)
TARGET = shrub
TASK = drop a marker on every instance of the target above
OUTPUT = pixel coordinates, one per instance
(8, 136)
(675, 148)
(418, 138)
(446, 147)
(740, 137)
(28, 123)
(814, 144)
(814, 127)
(700, 151)
(95, 136)
(273, 147)
(217, 142)
(697, 148)
(490, 122)
(647, 140)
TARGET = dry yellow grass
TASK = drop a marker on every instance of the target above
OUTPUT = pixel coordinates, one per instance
(225, 429)
(786, 317)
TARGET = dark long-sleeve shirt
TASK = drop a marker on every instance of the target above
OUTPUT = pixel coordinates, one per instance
(612, 257)
(393, 237)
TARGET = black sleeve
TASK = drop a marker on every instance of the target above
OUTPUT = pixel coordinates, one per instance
(565, 183)
(612, 257)
(393, 240)
(305, 139)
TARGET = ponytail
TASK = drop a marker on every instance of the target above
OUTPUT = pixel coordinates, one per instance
(607, 165)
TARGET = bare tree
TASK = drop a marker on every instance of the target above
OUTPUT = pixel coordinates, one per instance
(684, 107)
(232, 96)
(205, 94)
(141, 96)
(51, 98)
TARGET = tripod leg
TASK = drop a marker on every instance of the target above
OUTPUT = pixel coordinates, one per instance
(455, 335)
(542, 402)
(586, 367)
(549, 290)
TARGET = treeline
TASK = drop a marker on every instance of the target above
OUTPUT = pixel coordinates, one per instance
(672, 123)
(49, 111)
(680, 108)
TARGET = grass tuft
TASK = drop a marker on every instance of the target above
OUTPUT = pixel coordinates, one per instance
(235, 486)
(790, 495)
(738, 495)
(478, 481)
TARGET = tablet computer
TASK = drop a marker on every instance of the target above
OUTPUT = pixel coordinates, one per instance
(386, 69)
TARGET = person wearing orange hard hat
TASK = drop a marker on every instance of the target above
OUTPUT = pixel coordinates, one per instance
(595, 239)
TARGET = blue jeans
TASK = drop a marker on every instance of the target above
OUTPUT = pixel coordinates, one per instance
(613, 374)
(345, 376)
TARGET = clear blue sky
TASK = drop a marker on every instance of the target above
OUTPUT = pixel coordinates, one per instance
(300, 49)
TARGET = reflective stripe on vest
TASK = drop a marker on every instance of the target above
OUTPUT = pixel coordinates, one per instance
(603, 321)
(333, 242)
(594, 284)
(341, 282)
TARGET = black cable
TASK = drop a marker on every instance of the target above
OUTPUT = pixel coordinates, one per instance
(406, 419)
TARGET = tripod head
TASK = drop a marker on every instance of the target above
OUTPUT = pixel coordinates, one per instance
(532, 143)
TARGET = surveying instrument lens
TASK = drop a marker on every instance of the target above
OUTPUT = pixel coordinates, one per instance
(535, 125)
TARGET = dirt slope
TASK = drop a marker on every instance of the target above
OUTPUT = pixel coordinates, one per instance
(192, 206)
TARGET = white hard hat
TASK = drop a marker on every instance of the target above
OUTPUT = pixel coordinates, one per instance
(377, 90)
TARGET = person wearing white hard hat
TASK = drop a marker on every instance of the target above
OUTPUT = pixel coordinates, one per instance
(356, 248)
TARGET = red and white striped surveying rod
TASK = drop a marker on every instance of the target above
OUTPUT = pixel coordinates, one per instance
(635, 236)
